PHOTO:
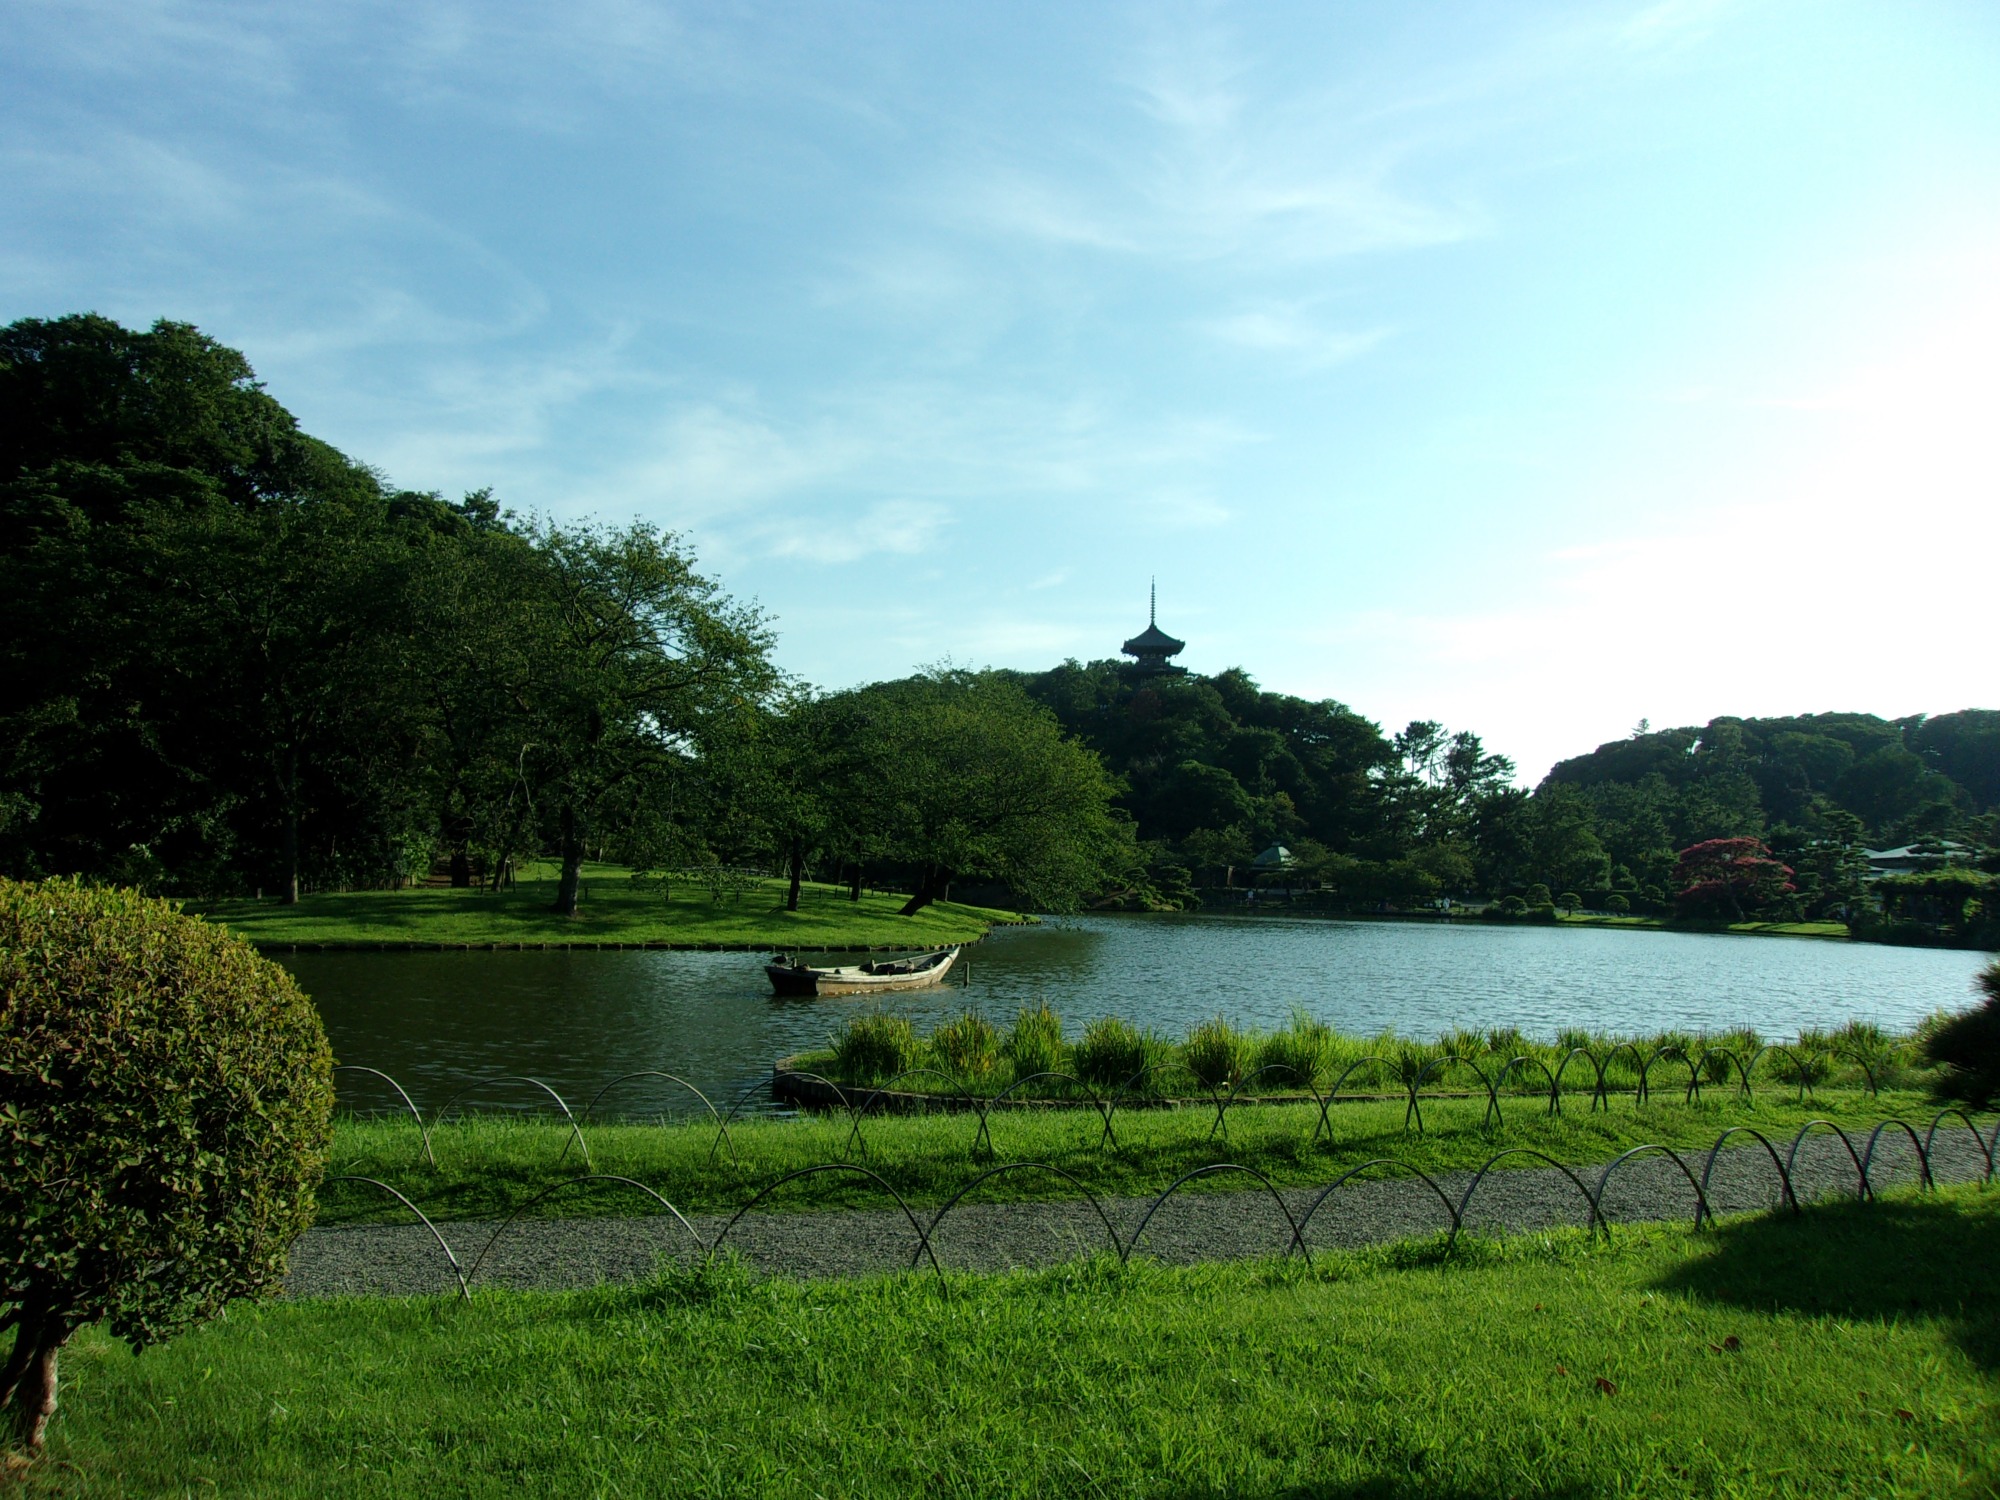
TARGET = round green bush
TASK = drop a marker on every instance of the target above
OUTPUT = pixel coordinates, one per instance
(165, 1099)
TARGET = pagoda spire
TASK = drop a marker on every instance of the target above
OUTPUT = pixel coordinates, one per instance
(1154, 648)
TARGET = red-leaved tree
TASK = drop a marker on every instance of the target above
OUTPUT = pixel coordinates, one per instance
(1734, 878)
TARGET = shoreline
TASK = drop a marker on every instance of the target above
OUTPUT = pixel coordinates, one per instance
(618, 911)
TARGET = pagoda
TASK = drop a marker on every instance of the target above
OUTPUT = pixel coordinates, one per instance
(1153, 645)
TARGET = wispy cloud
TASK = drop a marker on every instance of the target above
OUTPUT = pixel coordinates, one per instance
(1674, 23)
(1291, 331)
(903, 528)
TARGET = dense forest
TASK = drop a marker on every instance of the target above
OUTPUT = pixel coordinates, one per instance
(1217, 770)
(234, 659)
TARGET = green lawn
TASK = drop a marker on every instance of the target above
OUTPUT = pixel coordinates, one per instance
(1772, 929)
(1850, 1351)
(486, 1165)
(615, 910)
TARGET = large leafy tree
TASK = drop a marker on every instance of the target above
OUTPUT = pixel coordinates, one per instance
(633, 661)
(798, 779)
(973, 778)
(188, 587)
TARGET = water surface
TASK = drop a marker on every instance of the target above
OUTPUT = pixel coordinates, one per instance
(438, 1021)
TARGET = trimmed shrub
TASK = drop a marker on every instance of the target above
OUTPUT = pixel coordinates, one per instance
(1215, 1052)
(874, 1046)
(165, 1101)
(1618, 903)
(1111, 1053)
(1036, 1044)
(968, 1046)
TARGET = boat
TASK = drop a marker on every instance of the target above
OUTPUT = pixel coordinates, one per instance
(910, 971)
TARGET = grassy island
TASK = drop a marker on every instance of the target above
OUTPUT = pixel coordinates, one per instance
(616, 911)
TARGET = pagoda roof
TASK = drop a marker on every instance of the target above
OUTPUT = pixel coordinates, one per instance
(1153, 641)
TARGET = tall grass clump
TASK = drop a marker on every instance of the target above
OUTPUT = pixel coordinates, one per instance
(1035, 1045)
(1411, 1058)
(1215, 1052)
(968, 1046)
(874, 1046)
(1742, 1044)
(1300, 1053)
(1111, 1053)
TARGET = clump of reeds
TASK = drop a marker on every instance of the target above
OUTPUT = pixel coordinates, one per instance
(1035, 1045)
(873, 1046)
(1111, 1054)
(968, 1046)
(1215, 1051)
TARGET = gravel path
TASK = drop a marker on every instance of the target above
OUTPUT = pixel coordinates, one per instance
(404, 1260)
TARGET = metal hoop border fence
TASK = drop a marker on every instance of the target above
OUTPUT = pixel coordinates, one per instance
(1597, 1221)
(857, 1102)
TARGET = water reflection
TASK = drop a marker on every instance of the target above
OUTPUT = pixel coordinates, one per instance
(438, 1021)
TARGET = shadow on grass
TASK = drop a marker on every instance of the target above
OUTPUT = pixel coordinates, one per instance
(1901, 1258)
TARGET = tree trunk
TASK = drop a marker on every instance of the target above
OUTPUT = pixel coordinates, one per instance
(932, 885)
(854, 883)
(572, 863)
(29, 1382)
(795, 864)
(291, 829)
(461, 868)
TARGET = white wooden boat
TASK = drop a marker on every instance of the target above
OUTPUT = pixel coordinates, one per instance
(909, 971)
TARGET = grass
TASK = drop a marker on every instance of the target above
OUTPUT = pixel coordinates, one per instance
(1848, 1352)
(615, 909)
(1772, 929)
(489, 1164)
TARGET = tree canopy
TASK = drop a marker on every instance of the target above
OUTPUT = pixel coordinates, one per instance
(234, 659)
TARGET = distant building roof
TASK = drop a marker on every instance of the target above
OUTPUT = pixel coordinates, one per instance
(1153, 641)
(1912, 857)
(1277, 857)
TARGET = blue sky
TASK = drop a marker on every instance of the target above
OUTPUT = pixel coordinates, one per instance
(1534, 367)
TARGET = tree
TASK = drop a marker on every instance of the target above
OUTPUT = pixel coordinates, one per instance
(972, 777)
(1221, 852)
(1733, 877)
(167, 1097)
(1965, 1048)
(631, 658)
(198, 644)
(795, 774)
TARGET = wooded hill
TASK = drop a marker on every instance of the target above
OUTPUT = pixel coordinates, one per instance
(1216, 769)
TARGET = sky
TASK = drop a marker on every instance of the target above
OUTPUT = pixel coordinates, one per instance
(1532, 367)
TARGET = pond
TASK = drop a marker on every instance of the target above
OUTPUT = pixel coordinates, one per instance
(439, 1021)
